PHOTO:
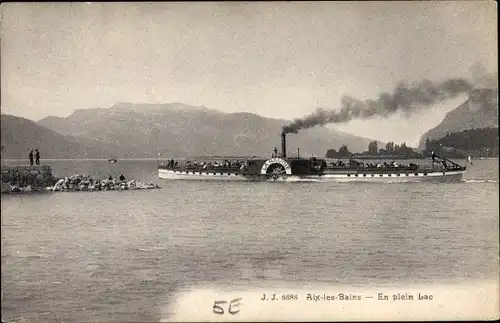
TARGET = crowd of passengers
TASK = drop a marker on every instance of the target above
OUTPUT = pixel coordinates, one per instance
(227, 164)
(355, 163)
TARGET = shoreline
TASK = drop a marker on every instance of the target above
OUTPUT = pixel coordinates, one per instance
(31, 179)
(63, 186)
(212, 157)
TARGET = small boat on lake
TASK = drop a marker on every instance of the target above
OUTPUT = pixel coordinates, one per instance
(282, 167)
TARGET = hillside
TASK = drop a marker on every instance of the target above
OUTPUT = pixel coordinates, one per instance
(19, 135)
(479, 111)
(143, 130)
(471, 142)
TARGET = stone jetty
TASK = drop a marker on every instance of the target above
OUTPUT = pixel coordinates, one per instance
(40, 179)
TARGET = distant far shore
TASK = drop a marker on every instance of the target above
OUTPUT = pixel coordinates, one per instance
(69, 159)
(45, 161)
(81, 159)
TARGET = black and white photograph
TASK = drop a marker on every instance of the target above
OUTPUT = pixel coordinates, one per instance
(249, 161)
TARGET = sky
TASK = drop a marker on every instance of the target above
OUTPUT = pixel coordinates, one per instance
(275, 59)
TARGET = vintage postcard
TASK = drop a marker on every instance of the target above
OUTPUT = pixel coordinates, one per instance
(249, 161)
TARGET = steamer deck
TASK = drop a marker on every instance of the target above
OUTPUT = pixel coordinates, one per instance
(282, 167)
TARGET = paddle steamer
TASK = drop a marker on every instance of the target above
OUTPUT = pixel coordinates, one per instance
(282, 167)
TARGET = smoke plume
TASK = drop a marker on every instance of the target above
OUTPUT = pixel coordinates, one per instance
(406, 99)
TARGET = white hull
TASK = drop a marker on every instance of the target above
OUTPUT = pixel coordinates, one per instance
(170, 174)
(448, 176)
(437, 176)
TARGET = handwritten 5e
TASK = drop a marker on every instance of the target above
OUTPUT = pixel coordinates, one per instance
(232, 309)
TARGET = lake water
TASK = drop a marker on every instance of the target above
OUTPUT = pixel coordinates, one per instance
(125, 255)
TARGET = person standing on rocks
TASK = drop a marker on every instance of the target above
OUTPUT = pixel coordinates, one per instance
(37, 157)
(31, 157)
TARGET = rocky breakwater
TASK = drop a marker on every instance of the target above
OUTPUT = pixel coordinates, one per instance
(26, 178)
(85, 183)
(39, 179)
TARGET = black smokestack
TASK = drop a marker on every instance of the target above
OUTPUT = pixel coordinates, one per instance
(283, 144)
(407, 99)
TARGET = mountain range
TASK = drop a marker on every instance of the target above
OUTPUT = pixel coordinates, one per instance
(129, 130)
(479, 111)
(19, 135)
(137, 130)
